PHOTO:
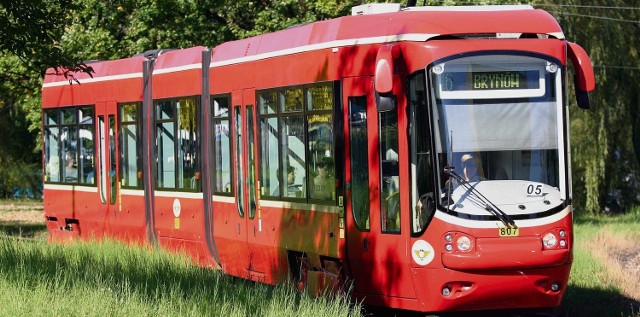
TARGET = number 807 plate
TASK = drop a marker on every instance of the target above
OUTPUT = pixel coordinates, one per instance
(508, 231)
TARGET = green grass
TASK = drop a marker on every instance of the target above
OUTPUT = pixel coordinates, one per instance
(592, 290)
(110, 279)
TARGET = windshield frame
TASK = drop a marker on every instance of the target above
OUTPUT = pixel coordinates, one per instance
(556, 99)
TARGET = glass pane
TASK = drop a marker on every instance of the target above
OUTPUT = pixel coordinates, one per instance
(222, 155)
(251, 162)
(70, 158)
(421, 152)
(166, 156)
(102, 160)
(293, 157)
(240, 173)
(112, 155)
(321, 165)
(86, 115)
(129, 112)
(51, 117)
(390, 189)
(87, 159)
(69, 116)
(164, 110)
(320, 98)
(52, 154)
(269, 157)
(129, 155)
(267, 102)
(220, 107)
(291, 100)
(359, 161)
(188, 145)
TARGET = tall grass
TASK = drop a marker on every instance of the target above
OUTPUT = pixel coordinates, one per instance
(594, 289)
(100, 279)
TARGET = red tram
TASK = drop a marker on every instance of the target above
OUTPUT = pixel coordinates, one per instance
(421, 153)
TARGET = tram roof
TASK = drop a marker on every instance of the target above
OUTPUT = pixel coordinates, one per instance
(411, 24)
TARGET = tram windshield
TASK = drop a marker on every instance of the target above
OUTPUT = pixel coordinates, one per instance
(498, 123)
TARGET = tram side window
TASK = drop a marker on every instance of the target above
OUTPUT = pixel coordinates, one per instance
(390, 189)
(320, 146)
(296, 131)
(292, 142)
(52, 146)
(177, 144)
(359, 161)
(420, 151)
(130, 167)
(69, 145)
(222, 146)
(269, 151)
(86, 157)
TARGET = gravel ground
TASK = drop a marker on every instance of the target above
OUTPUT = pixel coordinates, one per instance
(23, 212)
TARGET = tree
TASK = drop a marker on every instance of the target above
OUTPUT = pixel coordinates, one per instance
(31, 30)
(606, 139)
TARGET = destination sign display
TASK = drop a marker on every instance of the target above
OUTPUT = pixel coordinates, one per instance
(494, 80)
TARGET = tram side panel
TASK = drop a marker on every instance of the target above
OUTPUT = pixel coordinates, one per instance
(289, 226)
(178, 200)
(72, 203)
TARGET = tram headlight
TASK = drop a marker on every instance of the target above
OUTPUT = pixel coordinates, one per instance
(552, 67)
(549, 240)
(463, 243)
(448, 237)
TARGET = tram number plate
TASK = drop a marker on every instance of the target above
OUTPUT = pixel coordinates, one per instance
(508, 232)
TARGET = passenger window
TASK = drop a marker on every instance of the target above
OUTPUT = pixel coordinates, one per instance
(222, 146)
(269, 151)
(130, 166)
(52, 146)
(293, 161)
(177, 144)
(86, 159)
(296, 143)
(165, 132)
(188, 173)
(321, 165)
(69, 145)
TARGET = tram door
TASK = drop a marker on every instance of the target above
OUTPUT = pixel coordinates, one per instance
(106, 160)
(377, 230)
(246, 188)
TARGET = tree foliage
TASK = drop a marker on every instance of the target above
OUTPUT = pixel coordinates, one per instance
(606, 139)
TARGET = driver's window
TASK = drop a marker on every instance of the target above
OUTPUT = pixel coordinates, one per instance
(390, 189)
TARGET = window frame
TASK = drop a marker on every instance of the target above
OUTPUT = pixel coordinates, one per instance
(121, 157)
(228, 151)
(60, 125)
(176, 143)
(277, 111)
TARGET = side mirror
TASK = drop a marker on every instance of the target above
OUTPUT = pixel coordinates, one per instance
(383, 80)
(386, 102)
(385, 58)
(585, 81)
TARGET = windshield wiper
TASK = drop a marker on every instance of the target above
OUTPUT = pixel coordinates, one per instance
(484, 201)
